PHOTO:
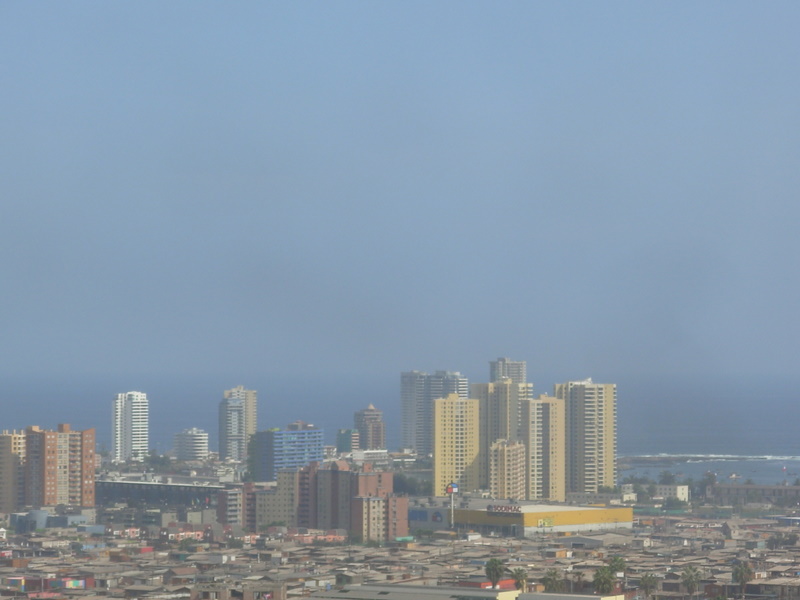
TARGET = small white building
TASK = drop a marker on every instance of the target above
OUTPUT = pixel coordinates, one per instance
(681, 492)
(191, 444)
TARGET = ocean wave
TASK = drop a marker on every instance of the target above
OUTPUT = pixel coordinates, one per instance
(689, 457)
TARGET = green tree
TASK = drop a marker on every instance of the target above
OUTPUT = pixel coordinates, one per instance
(406, 484)
(494, 570)
(648, 583)
(673, 503)
(157, 463)
(552, 581)
(667, 478)
(742, 574)
(780, 539)
(187, 544)
(690, 577)
(604, 580)
(616, 564)
(251, 460)
(520, 577)
(577, 579)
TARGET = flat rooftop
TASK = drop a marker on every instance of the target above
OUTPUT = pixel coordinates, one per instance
(526, 506)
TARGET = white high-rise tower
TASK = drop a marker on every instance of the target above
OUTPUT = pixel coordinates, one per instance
(130, 428)
(238, 417)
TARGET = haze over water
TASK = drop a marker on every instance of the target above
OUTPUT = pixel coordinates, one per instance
(672, 421)
(308, 199)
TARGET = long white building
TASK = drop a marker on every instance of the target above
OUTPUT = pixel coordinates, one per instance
(130, 427)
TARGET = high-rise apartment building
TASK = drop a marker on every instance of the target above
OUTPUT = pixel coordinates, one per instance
(379, 519)
(238, 419)
(59, 467)
(505, 368)
(543, 432)
(591, 434)
(499, 415)
(507, 470)
(291, 448)
(347, 440)
(130, 428)
(371, 428)
(418, 390)
(456, 445)
(334, 496)
(12, 471)
(191, 444)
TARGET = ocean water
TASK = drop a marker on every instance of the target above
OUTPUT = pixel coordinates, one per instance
(762, 470)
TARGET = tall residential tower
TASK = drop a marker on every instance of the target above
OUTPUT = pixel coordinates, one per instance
(418, 390)
(371, 428)
(59, 467)
(275, 450)
(505, 368)
(591, 434)
(238, 416)
(12, 471)
(500, 404)
(456, 446)
(130, 428)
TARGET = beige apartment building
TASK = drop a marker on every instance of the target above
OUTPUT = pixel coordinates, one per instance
(507, 469)
(505, 368)
(279, 504)
(12, 471)
(500, 403)
(456, 443)
(591, 435)
(543, 431)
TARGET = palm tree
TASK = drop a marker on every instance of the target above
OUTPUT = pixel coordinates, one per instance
(648, 584)
(494, 570)
(520, 577)
(616, 564)
(691, 579)
(604, 580)
(742, 574)
(552, 581)
(577, 577)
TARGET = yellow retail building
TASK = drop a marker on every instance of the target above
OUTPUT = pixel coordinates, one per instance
(518, 519)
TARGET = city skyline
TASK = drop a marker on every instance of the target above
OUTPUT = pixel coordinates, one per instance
(210, 411)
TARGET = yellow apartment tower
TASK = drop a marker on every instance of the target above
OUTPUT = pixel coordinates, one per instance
(499, 416)
(12, 471)
(591, 435)
(543, 431)
(456, 443)
(507, 470)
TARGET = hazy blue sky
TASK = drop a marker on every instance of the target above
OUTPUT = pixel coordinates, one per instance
(266, 190)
